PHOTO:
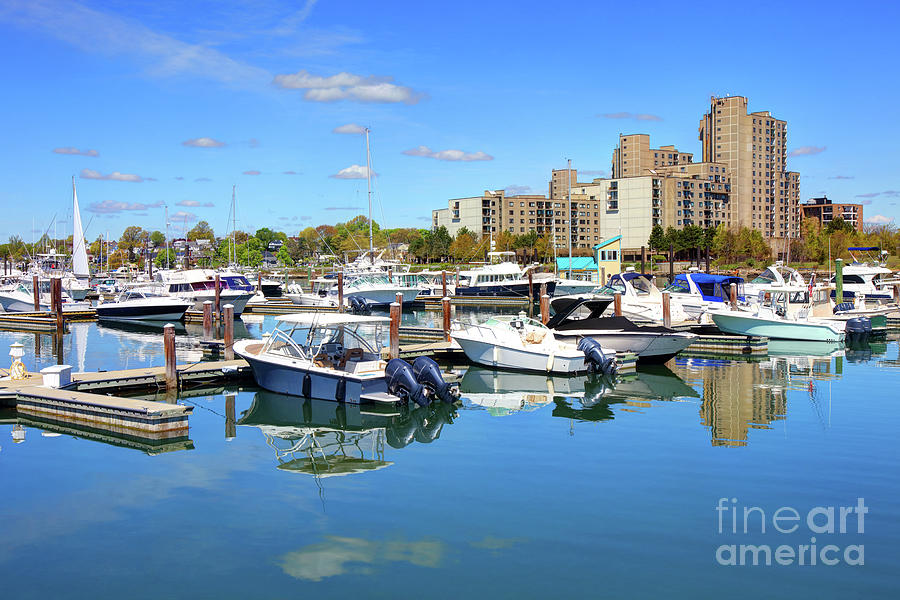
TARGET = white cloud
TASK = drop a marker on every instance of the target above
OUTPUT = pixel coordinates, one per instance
(347, 86)
(75, 151)
(350, 129)
(516, 190)
(253, 172)
(114, 176)
(203, 142)
(195, 203)
(807, 151)
(111, 207)
(633, 116)
(879, 220)
(164, 56)
(182, 216)
(451, 155)
(352, 172)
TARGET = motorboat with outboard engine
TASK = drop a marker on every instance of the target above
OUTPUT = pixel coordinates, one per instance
(577, 318)
(519, 343)
(337, 356)
(697, 292)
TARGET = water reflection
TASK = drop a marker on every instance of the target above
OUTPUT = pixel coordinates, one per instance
(327, 439)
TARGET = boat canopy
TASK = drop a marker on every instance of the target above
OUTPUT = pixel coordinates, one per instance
(865, 248)
(329, 319)
(714, 287)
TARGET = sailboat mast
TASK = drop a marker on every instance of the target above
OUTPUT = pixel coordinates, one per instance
(571, 216)
(167, 237)
(369, 190)
(233, 257)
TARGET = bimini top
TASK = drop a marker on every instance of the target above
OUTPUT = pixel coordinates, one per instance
(329, 319)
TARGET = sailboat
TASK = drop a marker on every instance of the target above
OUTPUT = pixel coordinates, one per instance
(76, 283)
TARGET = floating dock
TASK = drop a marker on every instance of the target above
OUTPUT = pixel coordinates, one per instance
(434, 302)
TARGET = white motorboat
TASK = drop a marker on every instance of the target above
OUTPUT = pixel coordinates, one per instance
(323, 292)
(501, 277)
(641, 299)
(863, 281)
(577, 318)
(137, 305)
(16, 298)
(522, 344)
(337, 356)
(773, 275)
(784, 313)
(696, 293)
(199, 285)
(377, 290)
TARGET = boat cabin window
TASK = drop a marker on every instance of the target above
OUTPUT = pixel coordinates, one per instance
(615, 285)
(849, 279)
(641, 285)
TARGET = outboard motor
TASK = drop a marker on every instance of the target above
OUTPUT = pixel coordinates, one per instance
(596, 360)
(858, 329)
(402, 383)
(428, 373)
(359, 306)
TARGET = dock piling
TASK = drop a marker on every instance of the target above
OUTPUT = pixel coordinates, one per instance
(230, 421)
(545, 308)
(732, 295)
(340, 291)
(169, 351)
(207, 319)
(56, 300)
(617, 304)
(399, 300)
(643, 258)
(671, 262)
(228, 318)
(602, 275)
(443, 284)
(390, 276)
(218, 296)
(445, 305)
(36, 287)
(395, 330)
(666, 310)
(530, 293)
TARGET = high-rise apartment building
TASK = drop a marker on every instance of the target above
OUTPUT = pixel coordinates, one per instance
(634, 157)
(753, 147)
(559, 181)
(825, 211)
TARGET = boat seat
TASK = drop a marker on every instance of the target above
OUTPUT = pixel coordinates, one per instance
(535, 337)
(350, 354)
(322, 360)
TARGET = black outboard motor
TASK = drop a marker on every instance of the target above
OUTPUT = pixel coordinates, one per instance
(428, 373)
(402, 383)
(596, 360)
(858, 329)
(359, 306)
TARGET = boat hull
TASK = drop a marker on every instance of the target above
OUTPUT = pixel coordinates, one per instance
(510, 289)
(323, 383)
(515, 359)
(649, 347)
(142, 313)
(780, 330)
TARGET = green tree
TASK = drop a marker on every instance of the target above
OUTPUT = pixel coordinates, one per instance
(284, 257)
(161, 258)
(157, 238)
(657, 239)
(201, 231)
(132, 238)
(838, 224)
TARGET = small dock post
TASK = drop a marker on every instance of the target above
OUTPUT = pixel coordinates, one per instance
(390, 276)
(530, 293)
(732, 295)
(617, 304)
(666, 310)
(545, 308)
(897, 293)
(399, 300)
(671, 262)
(218, 297)
(207, 319)
(443, 284)
(707, 258)
(395, 330)
(56, 299)
(457, 277)
(643, 258)
(838, 280)
(228, 317)
(602, 275)
(36, 287)
(169, 350)
(445, 305)
(340, 291)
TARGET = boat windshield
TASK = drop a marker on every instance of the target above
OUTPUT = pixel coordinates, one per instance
(765, 277)
(678, 287)
(641, 285)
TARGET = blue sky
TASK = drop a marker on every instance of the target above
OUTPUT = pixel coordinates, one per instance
(179, 101)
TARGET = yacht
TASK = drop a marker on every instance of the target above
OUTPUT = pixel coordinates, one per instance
(862, 280)
(577, 318)
(773, 275)
(519, 343)
(199, 285)
(319, 294)
(501, 278)
(143, 306)
(337, 356)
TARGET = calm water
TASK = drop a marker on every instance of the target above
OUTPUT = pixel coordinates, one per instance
(533, 487)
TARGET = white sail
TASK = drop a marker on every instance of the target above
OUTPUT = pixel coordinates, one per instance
(79, 252)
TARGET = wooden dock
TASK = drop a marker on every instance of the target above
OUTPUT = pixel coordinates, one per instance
(724, 346)
(434, 302)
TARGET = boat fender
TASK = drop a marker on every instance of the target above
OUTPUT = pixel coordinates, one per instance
(401, 382)
(550, 359)
(428, 373)
(340, 391)
(306, 388)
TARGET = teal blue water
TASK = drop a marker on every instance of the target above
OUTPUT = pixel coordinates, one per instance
(530, 488)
